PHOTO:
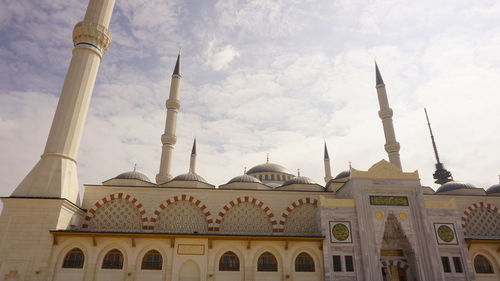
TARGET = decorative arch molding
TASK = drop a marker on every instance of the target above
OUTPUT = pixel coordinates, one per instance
(286, 213)
(468, 211)
(398, 263)
(249, 199)
(183, 197)
(91, 212)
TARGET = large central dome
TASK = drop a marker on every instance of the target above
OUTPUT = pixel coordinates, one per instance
(268, 168)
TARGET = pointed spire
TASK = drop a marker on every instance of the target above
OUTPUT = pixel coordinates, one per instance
(326, 152)
(177, 69)
(441, 175)
(379, 80)
(193, 151)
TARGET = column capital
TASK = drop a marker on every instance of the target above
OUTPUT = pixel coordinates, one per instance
(92, 35)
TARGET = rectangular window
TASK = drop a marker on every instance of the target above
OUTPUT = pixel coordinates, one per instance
(458, 264)
(446, 264)
(337, 264)
(349, 265)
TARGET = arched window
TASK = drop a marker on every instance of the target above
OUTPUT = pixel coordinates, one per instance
(74, 259)
(482, 265)
(266, 177)
(113, 260)
(272, 177)
(267, 262)
(152, 260)
(304, 263)
(229, 262)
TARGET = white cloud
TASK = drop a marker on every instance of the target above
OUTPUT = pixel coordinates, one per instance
(219, 57)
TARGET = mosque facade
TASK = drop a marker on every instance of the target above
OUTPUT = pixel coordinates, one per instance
(267, 224)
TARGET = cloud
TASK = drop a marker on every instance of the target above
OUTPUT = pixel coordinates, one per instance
(219, 57)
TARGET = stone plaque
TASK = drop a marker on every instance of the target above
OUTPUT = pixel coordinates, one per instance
(445, 233)
(388, 200)
(340, 232)
(190, 249)
(391, 252)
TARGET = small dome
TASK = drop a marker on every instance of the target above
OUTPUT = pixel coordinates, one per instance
(452, 185)
(244, 178)
(268, 167)
(133, 175)
(299, 180)
(493, 189)
(343, 174)
(189, 177)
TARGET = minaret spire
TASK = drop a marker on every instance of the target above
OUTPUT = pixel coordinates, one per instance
(192, 163)
(55, 174)
(385, 113)
(328, 169)
(168, 139)
(441, 175)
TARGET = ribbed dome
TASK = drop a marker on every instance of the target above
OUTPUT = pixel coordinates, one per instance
(493, 189)
(299, 180)
(190, 177)
(343, 174)
(133, 175)
(244, 178)
(452, 185)
(268, 167)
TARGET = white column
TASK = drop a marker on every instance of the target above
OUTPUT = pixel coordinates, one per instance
(55, 174)
(385, 113)
(168, 139)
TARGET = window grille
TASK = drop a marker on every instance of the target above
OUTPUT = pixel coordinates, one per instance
(74, 259)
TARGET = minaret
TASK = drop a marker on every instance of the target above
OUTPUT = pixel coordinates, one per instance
(385, 113)
(441, 175)
(192, 163)
(168, 139)
(55, 174)
(328, 169)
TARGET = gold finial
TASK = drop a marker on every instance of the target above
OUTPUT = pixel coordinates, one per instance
(245, 171)
(267, 158)
(298, 172)
(135, 167)
(350, 165)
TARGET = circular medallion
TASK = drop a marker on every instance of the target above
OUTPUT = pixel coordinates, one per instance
(340, 232)
(445, 233)
(379, 215)
(403, 215)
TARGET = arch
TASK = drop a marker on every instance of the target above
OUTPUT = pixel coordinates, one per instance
(113, 259)
(189, 271)
(468, 211)
(399, 263)
(74, 258)
(304, 263)
(243, 199)
(183, 197)
(286, 213)
(482, 264)
(152, 260)
(267, 262)
(229, 261)
(91, 212)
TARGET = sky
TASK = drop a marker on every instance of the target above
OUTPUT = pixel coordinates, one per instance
(278, 77)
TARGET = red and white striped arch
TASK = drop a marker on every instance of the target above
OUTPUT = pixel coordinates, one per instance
(475, 206)
(291, 207)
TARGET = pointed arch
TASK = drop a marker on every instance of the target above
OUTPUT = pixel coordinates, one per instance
(250, 200)
(478, 207)
(288, 211)
(91, 213)
(183, 197)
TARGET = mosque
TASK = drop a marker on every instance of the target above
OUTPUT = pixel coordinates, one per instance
(267, 224)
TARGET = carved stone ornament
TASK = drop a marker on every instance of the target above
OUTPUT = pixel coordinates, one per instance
(92, 35)
(384, 170)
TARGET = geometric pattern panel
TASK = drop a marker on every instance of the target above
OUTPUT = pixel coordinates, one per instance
(483, 222)
(116, 215)
(181, 217)
(239, 220)
(246, 218)
(302, 220)
(491, 215)
(286, 213)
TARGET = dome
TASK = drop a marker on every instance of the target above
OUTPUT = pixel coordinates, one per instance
(299, 180)
(133, 175)
(343, 174)
(493, 189)
(244, 178)
(189, 177)
(453, 185)
(268, 167)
